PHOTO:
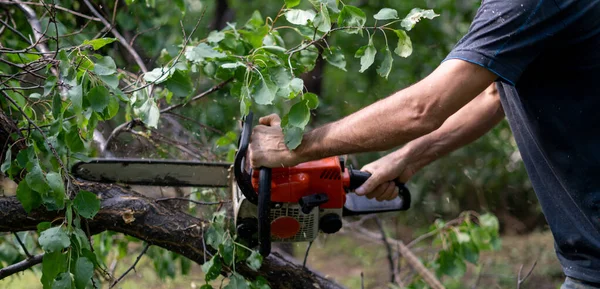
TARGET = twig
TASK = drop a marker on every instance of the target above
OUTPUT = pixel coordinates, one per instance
(199, 96)
(21, 266)
(56, 7)
(196, 122)
(409, 256)
(14, 30)
(134, 263)
(121, 128)
(362, 280)
(191, 201)
(388, 248)
(22, 245)
(118, 35)
(306, 254)
(521, 281)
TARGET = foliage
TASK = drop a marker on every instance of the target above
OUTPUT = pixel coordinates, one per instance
(93, 84)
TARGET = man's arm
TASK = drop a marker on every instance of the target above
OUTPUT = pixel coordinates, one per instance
(465, 126)
(400, 118)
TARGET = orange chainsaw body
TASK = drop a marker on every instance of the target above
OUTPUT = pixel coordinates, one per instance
(290, 184)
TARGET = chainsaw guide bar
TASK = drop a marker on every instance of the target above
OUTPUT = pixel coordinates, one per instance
(154, 172)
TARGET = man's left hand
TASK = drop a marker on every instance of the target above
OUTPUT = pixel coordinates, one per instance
(267, 145)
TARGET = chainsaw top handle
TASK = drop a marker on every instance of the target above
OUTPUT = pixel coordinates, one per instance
(244, 181)
(242, 177)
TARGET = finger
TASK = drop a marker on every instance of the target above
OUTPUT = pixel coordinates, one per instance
(391, 195)
(270, 120)
(389, 190)
(368, 186)
(377, 191)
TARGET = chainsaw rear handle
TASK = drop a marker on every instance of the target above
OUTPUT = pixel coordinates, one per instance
(358, 177)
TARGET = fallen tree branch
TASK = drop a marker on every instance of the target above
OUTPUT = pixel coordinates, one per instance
(124, 211)
(21, 266)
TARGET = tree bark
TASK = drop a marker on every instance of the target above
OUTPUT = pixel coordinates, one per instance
(130, 213)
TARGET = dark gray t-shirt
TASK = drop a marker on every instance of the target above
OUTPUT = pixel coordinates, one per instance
(547, 56)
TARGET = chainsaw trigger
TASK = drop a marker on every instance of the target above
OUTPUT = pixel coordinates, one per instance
(309, 202)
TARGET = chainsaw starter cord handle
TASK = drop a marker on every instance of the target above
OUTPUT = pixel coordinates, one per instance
(264, 206)
(358, 177)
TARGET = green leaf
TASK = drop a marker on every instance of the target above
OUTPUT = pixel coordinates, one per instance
(206, 286)
(159, 74)
(215, 36)
(181, 5)
(87, 204)
(415, 16)
(254, 261)
(180, 84)
(56, 106)
(7, 161)
(236, 281)
(43, 226)
(84, 270)
(299, 115)
(105, 66)
(53, 263)
(470, 252)
(111, 80)
(76, 96)
(49, 85)
(386, 65)
(148, 112)
(292, 3)
(212, 268)
(99, 43)
(352, 16)
(386, 14)
(58, 188)
(227, 139)
(214, 236)
(450, 265)
(98, 98)
(404, 48)
(299, 17)
(312, 100)
(292, 136)
(35, 179)
(264, 92)
(260, 283)
(322, 21)
(29, 198)
(63, 281)
(490, 222)
(226, 251)
(54, 239)
(335, 56)
(202, 51)
(366, 55)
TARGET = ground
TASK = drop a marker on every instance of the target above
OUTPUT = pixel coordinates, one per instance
(343, 257)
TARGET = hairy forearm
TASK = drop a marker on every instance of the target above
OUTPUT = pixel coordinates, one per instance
(402, 117)
(465, 126)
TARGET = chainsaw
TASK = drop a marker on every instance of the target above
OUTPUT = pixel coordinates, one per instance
(284, 204)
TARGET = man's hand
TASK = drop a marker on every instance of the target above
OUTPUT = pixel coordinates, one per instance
(384, 171)
(267, 146)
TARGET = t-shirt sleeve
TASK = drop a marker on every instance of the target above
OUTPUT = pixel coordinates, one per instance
(506, 36)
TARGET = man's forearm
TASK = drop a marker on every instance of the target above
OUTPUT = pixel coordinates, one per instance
(402, 117)
(467, 125)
